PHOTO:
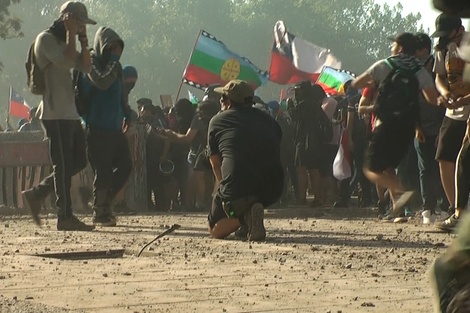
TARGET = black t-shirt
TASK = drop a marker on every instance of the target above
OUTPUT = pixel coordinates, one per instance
(248, 140)
(303, 117)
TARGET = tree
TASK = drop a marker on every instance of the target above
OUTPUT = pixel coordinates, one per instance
(10, 26)
(159, 35)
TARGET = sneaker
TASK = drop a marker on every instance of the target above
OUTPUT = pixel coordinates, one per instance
(242, 232)
(443, 215)
(33, 203)
(449, 224)
(388, 218)
(254, 218)
(104, 220)
(73, 223)
(428, 217)
(400, 219)
(402, 201)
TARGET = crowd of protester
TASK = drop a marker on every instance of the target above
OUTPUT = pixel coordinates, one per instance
(403, 126)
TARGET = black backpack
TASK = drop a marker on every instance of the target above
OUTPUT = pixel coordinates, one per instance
(35, 75)
(398, 95)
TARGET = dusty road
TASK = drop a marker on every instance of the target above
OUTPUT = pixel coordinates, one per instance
(324, 260)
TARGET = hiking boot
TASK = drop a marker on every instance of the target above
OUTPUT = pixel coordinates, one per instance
(402, 201)
(73, 223)
(104, 220)
(33, 203)
(254, 218)
(242, 232)
(103, 216)
(449, 225)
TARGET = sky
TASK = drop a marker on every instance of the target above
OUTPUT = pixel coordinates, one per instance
(425, 7)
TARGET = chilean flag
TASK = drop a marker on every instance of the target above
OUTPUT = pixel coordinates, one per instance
(18, 107)
(294, 59)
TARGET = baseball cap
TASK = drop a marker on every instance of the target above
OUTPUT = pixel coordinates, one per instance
(78, 10)
(445, 24)
(405, 40)
(238, 91)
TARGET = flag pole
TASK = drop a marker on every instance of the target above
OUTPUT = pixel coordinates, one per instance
(192, 51)
(9, 107)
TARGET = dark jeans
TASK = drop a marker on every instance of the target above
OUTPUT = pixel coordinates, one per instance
(462, 187)
(110, 160)
(68, 154)
(429, 176)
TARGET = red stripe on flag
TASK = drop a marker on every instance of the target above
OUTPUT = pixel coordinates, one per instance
(18, 109)
(329, 90)
(283, 72)
(205, 78)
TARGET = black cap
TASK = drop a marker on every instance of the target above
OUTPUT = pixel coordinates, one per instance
(423, 41)
(445, 24)
(407, 41)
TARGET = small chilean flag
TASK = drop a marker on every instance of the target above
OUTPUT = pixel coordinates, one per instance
(18, 107)
(294, 59)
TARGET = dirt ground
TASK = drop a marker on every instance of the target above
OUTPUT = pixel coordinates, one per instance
(314, 260)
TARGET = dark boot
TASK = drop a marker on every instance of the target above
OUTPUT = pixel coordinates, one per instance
(102, 213)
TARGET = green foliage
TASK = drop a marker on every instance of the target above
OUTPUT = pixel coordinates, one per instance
(159, 35)
(10, 26)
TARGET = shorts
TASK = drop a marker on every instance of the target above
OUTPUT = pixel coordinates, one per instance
(327, 157)
(450, 139)
(309, 158)
(388, 145)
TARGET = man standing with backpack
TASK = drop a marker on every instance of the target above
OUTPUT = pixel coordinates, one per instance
(55, 54)
(398, 80)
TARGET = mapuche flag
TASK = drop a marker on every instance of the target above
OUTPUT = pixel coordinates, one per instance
(211, 62)
(294, 59)
(332, 80)
(18, 106)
